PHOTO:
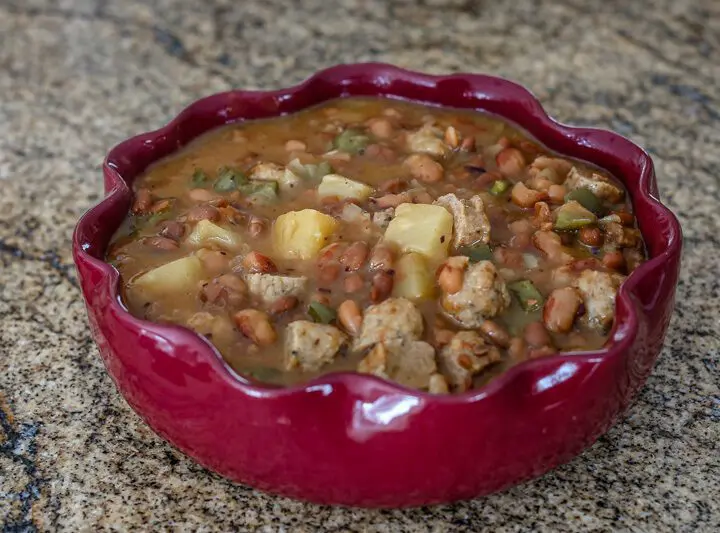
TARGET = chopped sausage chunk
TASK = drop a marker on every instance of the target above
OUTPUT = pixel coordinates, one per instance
(269, 287)
(410, 363)
(428, 140)
(464, 356)
(599, 185)
(394, 320)
(310, 346)
(471, 224)
(483, 295)
(598, 290)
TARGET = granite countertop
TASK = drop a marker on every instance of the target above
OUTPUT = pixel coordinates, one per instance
(76, 77)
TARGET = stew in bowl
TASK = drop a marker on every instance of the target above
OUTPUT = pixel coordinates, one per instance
(434, 247)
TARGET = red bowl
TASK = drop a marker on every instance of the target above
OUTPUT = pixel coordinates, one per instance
(354, 439)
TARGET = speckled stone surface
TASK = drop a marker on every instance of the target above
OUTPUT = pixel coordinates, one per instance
(78, 76)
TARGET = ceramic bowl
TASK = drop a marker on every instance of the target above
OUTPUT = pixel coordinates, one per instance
(353, 439)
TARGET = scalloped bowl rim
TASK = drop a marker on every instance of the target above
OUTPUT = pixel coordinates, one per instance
(621, 335)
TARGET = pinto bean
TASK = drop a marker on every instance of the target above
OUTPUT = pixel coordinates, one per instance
(536, 335)
(228, 289)
(381, 152)
(510, 161)
(614, 260)
(422, 197)
(331, 252)
(550, 244)
(282, 305)
(256, 326)
(591, 236)
(172, 229)
(437, 384)
(256, 225)
(380, 127)
(509, 257)
(392, 200)
(353, 282)
(543, 217)
(293, 145)
(468, 144)
(328, 272)
(257, 262)
(143, 201)
(424, 168)
(561, 308)
(442, 336)
(524, 197)
(354, 256)
(382, 258)
(382, 284)
(495, 333)
(452, 137)
(200, 195)
(556, 193)
(522, 232)
(203, 212)
(626, 219)
(542, 351)
(451, 274)
(350, 317)
(161, 243)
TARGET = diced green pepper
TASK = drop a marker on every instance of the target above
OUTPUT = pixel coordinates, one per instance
(310, 171)
(499, 187)
(260, 191)
(229, 179)
(321, 170)
(572, 215)
(476, 252)
(527, 294)
(321, 313)
(199, 178)
(351, 141)
(154, 219)
(586, 198)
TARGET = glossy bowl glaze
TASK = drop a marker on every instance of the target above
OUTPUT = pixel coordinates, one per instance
(354, 439)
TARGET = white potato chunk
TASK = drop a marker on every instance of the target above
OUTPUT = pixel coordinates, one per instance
(207, 234)
(301, 234)
(423, 228)
(343, 188)
(177, 277)
(413, 278)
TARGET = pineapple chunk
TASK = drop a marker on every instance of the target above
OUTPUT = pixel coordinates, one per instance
(422, 228)
(301, 234)
(206, 233)
(342, 187)
(413, 278)
(177, 278)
